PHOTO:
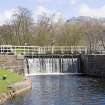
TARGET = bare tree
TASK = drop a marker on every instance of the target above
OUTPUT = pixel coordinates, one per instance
(22, 22)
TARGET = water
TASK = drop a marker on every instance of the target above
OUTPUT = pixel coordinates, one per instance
(63, 90)
(52, 65)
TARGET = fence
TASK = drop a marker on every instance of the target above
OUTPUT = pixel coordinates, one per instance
(9, 49)
(24, 50)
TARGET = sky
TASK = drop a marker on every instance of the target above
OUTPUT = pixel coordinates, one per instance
(62, 8)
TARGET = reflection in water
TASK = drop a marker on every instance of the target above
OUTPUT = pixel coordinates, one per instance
(63, 90)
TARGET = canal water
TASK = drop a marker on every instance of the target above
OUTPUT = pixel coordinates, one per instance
(63, 90)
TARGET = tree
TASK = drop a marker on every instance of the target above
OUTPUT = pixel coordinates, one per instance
(44, 30)
(22, 22)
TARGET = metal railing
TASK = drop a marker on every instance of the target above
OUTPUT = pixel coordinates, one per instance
(9, 49)
(25, 50)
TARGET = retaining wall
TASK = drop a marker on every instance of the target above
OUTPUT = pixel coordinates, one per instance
(12, 63)
(93, 65)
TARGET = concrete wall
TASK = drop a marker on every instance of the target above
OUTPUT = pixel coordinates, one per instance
(93, 65)
(12, 63)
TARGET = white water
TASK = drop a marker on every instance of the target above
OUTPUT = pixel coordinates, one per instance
(37, 66)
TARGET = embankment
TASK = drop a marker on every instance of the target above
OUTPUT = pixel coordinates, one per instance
(15, 90)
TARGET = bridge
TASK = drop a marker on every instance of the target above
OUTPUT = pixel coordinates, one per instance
(32, 50)
(46, 50)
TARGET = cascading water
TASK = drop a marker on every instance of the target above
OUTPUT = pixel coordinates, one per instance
(51, 65)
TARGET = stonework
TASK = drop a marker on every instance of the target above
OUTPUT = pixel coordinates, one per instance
(12, 63)
(93, 65)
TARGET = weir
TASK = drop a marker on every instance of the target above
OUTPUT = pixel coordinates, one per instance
(34, 60)
(45, 59)
(52, 64)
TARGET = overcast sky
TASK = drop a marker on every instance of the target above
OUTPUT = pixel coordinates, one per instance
(62, 8)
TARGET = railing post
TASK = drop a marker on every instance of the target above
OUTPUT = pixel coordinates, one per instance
(52, 47)
(39, 50)
(62, 50)
(24, 50)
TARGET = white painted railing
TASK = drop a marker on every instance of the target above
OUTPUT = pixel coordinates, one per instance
(7, 49)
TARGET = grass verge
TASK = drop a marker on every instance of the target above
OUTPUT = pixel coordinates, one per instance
(11, 78)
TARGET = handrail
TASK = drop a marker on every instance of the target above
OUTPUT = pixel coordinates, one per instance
(7, 49)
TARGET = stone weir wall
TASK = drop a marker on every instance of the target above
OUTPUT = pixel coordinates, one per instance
(12, 63)
(93, 65)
